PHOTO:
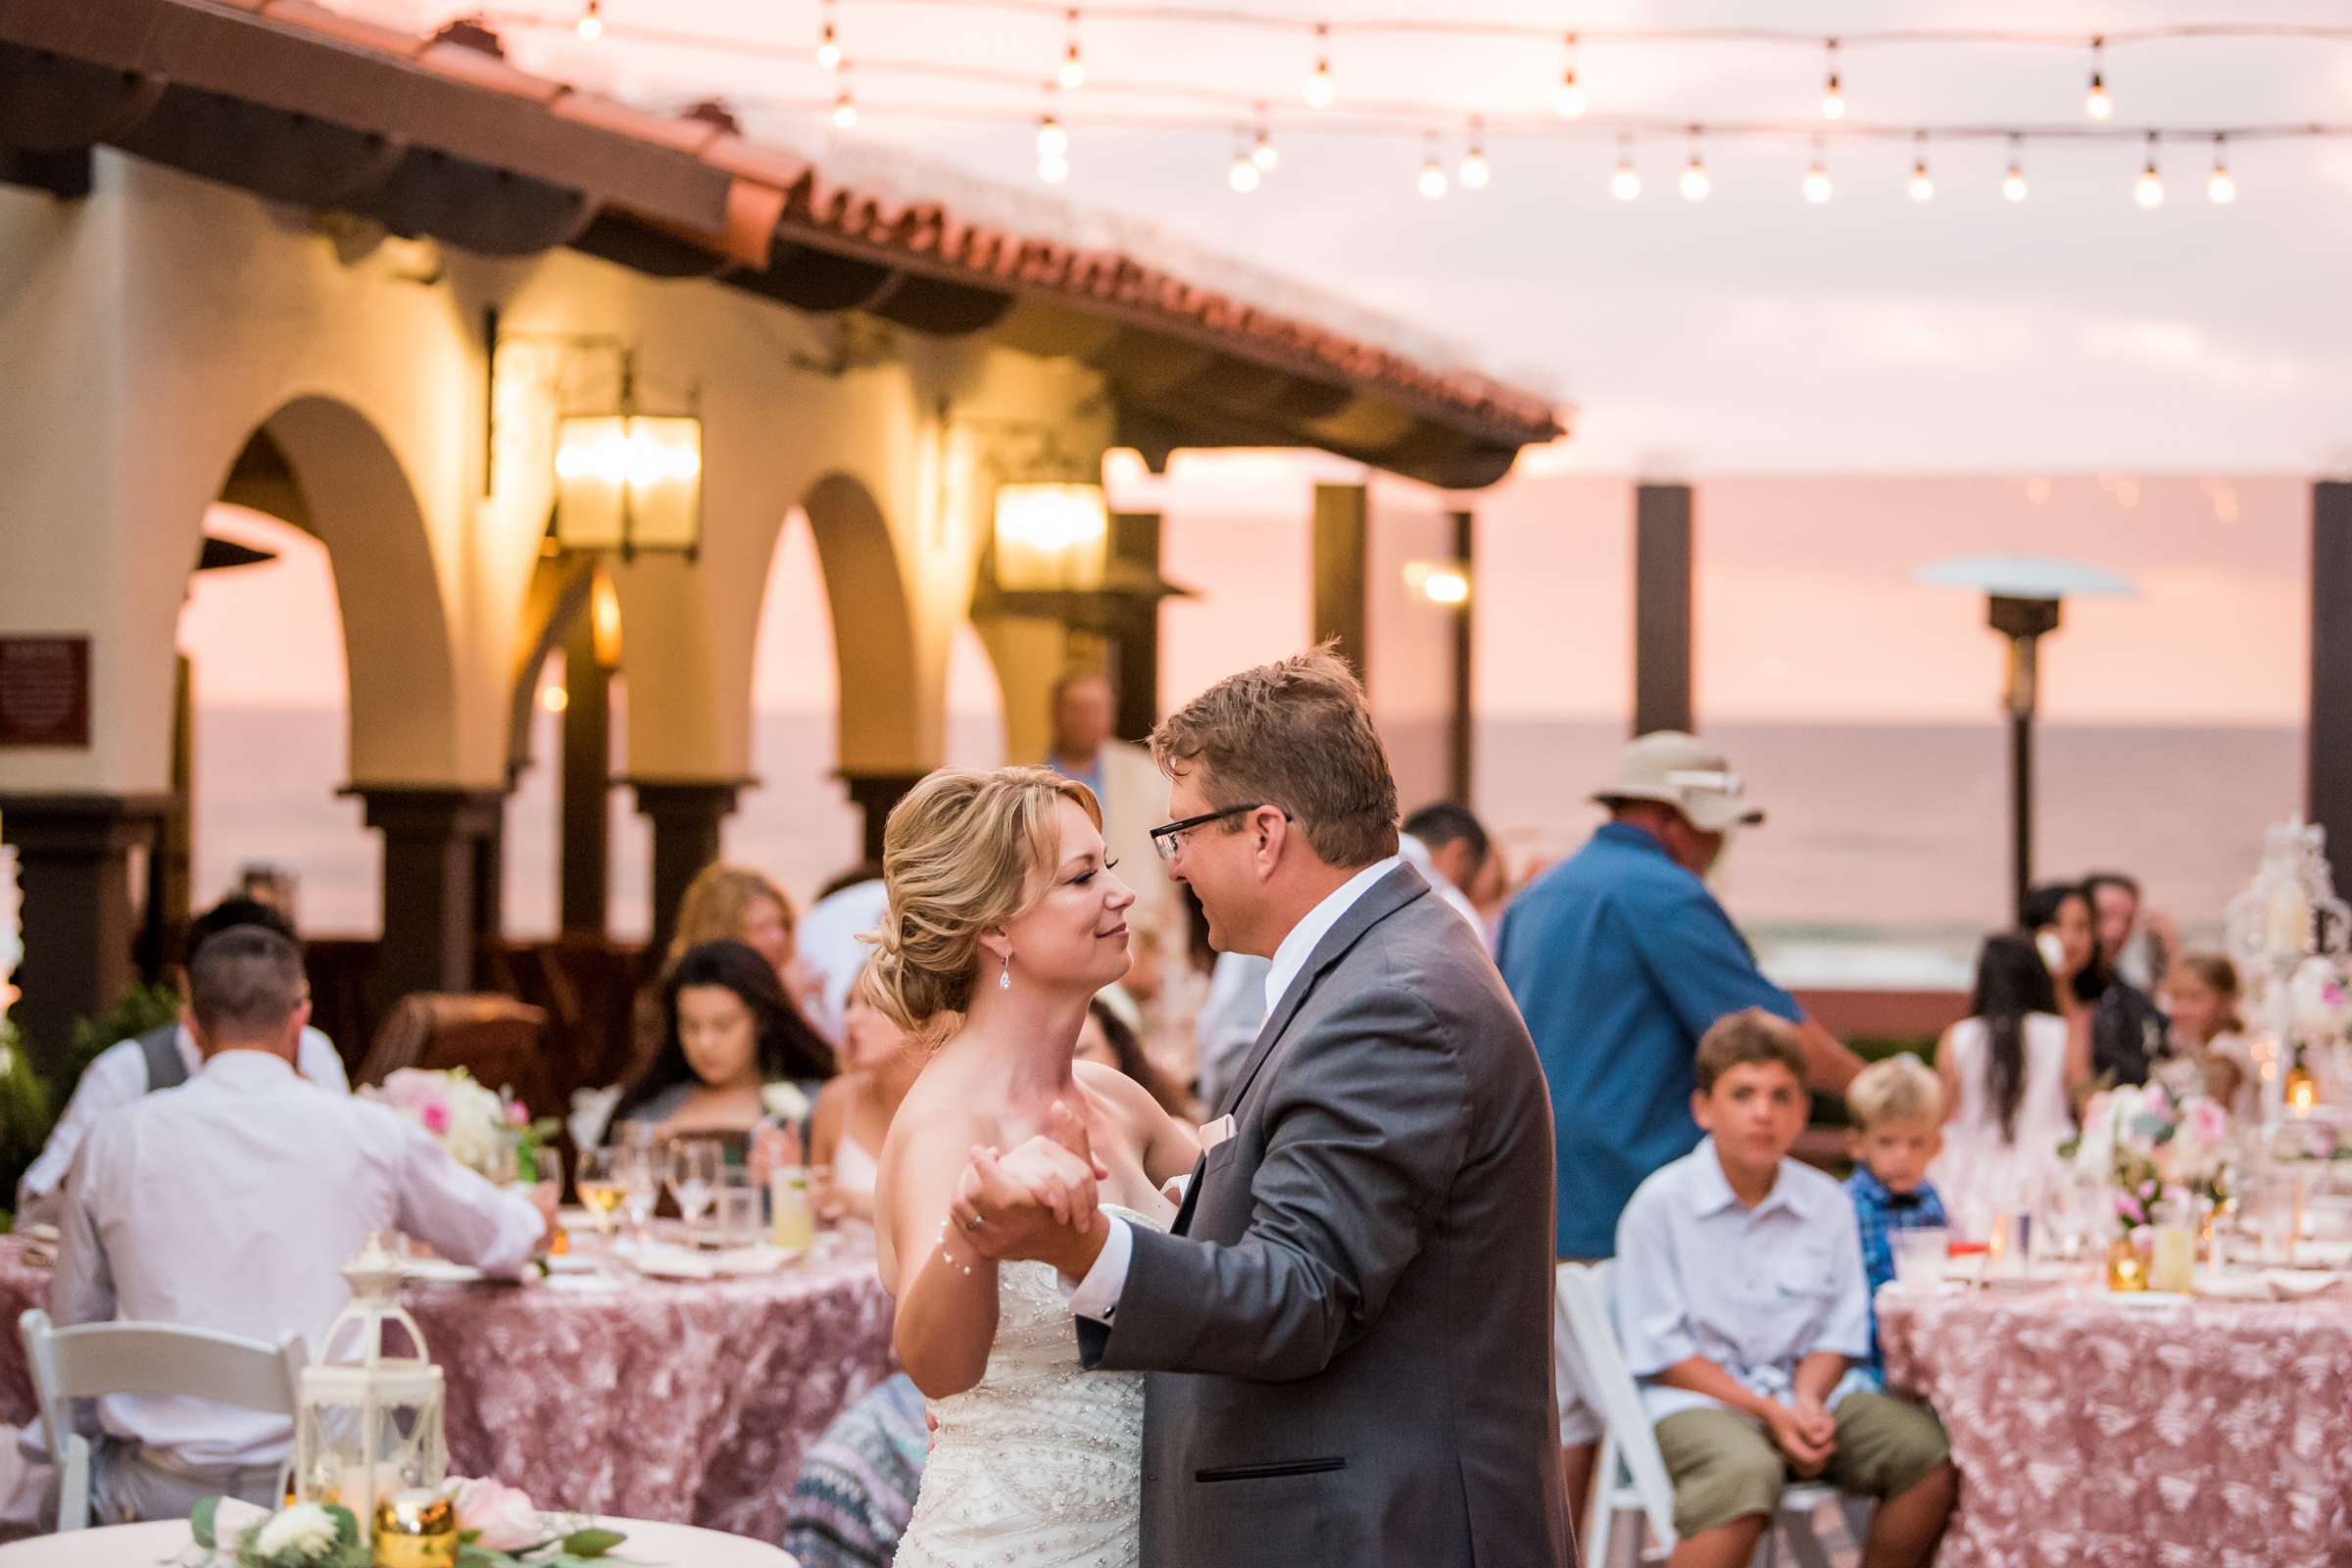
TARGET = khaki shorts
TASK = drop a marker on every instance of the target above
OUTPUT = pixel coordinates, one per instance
(1724, 1468)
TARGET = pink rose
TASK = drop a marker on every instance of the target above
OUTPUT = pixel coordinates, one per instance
(435, 1115)
(517, 1114)
(502, 1518)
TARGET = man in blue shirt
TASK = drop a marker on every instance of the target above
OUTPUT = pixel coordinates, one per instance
(1620, 960)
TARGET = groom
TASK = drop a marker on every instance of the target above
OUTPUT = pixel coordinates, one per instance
(1350, 1330)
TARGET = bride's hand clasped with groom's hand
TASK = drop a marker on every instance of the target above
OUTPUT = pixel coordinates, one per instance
(1040, 1202)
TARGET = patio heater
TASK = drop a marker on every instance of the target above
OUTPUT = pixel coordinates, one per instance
(2022, 594)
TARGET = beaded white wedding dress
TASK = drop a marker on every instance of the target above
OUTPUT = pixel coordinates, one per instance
(1041, 1464)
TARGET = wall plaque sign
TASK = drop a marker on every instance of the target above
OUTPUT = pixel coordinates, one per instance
(45, 690)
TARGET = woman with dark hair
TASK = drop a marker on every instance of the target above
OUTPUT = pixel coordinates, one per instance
(1107, 1037)
(2009, 1072)
(729, 1037)
(2123, 1029)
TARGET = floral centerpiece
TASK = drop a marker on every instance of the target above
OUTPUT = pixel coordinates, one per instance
(2147, 1141)
(486, 1130)
(497, 1527)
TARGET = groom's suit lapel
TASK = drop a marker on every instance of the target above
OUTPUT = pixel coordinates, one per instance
(1381, 899)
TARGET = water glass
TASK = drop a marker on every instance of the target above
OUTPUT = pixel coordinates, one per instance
(1920, 1257)
(694, 1168)
(737, 1219)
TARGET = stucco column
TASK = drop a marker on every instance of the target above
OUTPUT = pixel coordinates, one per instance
(73, 873)
(686, 814)
(433, 856)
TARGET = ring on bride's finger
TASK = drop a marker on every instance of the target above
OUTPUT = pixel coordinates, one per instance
(975, 1222)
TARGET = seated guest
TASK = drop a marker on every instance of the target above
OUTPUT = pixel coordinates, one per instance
(1897, 1107)
(728, 1033)
(856, 1486)
(2139, 941)
(847, 907)
(161, 1059)
(2010, 1070)
(2201, 993)
(726, 902)
(2125, 1029)
(232, 1203)
(852, 1113)
(1740, 1301)
(1448, 845)
(1109, 1036)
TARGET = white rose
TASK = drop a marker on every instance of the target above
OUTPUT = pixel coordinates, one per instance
(783, 1100)
(303, 1533)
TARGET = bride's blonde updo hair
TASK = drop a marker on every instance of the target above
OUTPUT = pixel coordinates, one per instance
(957, 858)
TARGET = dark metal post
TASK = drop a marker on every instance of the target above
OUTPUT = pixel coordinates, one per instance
(2024, 622)
(686, 816)
(2329, 784)
(586, 783)
(74, 872)
(1662, 609)
(431, 857)
(1464, 738)
(1342, 514)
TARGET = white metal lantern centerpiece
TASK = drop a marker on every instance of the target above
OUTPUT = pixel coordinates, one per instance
(370, 1426)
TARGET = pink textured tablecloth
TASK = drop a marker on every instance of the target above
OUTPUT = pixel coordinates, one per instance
(2198, 1434)
(687, 1402)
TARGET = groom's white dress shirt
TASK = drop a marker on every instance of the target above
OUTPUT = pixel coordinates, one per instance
(232, 1203)
(1097, 1297)
(117, 1077)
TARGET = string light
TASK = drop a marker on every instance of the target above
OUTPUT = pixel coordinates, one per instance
(1817, 186)
(1570, 104)
(1052, 140)
(1694, 184)
(845, 108)
(1241, 174)
(828, 42)
(1923, 183)
(1475, 172)
(592, 25)
(2219, 188)
(1052, 171)
(2096, 103)
(2148, 189)
(1431, 183)
(1320, 89)
(2013, 184)
(1625, 183)
(1263, 153)
(1832, 98)
(1072, 75)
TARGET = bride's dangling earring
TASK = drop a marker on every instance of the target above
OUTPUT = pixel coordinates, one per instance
(1005, 975)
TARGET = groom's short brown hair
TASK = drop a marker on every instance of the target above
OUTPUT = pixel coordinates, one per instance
(1299, 734)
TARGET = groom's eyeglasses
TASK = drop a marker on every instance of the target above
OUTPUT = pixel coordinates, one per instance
(1168, 838)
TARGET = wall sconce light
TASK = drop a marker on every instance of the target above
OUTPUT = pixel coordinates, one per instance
(1051, 538)
(1440, 582)
(629, 482)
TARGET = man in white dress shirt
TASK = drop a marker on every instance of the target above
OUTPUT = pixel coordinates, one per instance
(161, 1059)
(232, 1203)
(1448, 845)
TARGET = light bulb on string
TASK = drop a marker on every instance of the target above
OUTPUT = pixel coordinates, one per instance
(1320, 90)
(1052, 140)
(1241, 174)
(2219, 188)
(1694, 184)
(1052, 171)
(2148, 189)
(2013, 184)
(1625, 183)
(1475, 172)
(591, 23)
(1922, 184)
(845, 109)
(2096, 103)
(1817, 186)
(1072, 75)
(1262, 152)
(1432, 180)
(828, 42)
(1833, 96)
(1570, 104)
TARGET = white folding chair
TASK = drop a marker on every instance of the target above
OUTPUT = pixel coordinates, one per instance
(152, 1358)
(1630, 1478)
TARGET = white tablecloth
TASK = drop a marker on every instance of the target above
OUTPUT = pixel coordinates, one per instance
(650, 1544)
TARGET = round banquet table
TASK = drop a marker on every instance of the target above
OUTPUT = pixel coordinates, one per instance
(690, 1402)
(651, 1544)
(2190, 1433)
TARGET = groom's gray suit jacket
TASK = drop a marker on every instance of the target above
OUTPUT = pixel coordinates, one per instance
(1349, 1332)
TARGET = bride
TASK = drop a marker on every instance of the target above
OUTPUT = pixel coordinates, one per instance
(1005, 920)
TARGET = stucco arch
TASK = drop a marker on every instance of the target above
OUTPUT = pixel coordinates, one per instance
(892, 707)
(349, 490)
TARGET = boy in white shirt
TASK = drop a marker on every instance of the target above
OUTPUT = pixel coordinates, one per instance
(1740, 1300)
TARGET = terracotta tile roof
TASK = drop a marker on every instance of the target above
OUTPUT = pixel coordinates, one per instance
(694, 180)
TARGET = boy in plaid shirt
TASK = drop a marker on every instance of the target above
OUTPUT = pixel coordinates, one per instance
(1899, 1110)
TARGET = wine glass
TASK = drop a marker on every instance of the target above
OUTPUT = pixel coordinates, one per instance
(694, 1172)
(638, 1170)
(601, 1187)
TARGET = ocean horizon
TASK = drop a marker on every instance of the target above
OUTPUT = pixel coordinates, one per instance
(1882, 860)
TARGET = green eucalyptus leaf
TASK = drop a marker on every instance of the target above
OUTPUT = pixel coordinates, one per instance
(591, 1542)
(200, 1521)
